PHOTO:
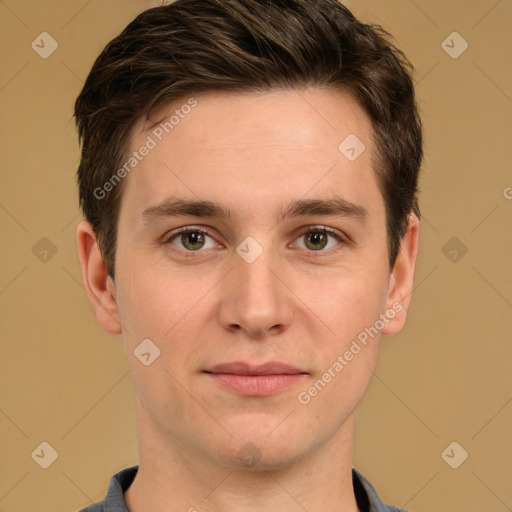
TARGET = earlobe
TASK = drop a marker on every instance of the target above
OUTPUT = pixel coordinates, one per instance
(402, 277)
(97, 283)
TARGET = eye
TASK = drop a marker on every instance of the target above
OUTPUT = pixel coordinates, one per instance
(313, 239)
(317, 239)
(191, 239)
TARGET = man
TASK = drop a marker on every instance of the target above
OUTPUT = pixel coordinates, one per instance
(248, 177)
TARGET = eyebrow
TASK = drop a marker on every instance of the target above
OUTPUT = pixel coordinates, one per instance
(175, 207)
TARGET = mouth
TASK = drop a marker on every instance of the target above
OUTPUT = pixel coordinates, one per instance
(255, 380)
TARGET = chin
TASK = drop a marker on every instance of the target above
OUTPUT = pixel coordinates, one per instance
(257, 450)
(251, 458)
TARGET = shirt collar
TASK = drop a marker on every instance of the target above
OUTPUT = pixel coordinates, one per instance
(366, 496)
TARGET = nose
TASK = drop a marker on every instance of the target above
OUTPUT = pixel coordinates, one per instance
(254, 298)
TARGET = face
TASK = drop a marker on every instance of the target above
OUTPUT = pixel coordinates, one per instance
(248, 236)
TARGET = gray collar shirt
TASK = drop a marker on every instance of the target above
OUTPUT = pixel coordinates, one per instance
(366, 496)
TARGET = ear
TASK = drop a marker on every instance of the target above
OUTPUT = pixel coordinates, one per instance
(98, 284)
(401, 278)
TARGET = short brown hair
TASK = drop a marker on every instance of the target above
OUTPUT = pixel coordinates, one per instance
(194, 46)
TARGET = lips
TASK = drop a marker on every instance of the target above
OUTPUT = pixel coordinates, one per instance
(270, 368)
(255, 380)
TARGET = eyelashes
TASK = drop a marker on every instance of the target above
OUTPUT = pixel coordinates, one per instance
(195, 239)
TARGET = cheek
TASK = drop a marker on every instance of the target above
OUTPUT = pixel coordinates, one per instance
(350, 306)
(335, 393)
(343, 371)
(346, 302)
(151, 303)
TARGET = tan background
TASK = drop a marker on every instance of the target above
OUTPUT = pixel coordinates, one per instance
(445, 378)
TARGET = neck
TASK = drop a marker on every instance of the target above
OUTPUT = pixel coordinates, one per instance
(175, 477)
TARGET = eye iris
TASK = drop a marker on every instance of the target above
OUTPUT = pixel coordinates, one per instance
(193, 240)
(316, 238)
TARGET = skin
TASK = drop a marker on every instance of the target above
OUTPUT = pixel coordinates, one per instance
(253, 154)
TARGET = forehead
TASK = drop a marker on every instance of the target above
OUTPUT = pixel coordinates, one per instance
(276, 117)
(278, 145)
